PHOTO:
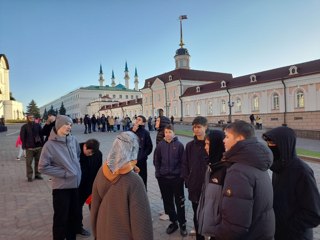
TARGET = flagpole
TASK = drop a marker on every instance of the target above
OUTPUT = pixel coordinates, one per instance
(181, 39)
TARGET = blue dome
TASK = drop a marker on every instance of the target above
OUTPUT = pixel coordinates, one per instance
(182, 51)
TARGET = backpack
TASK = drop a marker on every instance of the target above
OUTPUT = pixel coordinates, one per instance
(208, 212)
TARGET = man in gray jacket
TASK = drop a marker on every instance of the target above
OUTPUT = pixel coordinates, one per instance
(60, 160)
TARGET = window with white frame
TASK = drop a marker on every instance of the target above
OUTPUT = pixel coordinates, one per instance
(223, 84)
(187, 110)
(223, 106)
(275, 101)
(299, 99)
(238, 105)
(210, 108)
(198, 108)
(255, 103)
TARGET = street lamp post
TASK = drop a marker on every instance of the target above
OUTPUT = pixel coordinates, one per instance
(230, 105)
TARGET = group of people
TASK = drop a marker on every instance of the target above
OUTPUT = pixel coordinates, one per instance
(225, 173)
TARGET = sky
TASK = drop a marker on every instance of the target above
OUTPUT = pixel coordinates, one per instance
(55, 47)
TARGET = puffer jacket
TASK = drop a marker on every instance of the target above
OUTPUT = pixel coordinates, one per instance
(247, 195)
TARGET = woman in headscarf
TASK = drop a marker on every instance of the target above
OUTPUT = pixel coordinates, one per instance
(120, 207)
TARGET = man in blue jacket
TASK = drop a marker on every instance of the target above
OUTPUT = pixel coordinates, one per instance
(60, 160)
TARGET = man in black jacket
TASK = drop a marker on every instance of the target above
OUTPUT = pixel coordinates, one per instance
(48, 125)
(32, 141)
(145, 146)
(296, 197)
(90, 162)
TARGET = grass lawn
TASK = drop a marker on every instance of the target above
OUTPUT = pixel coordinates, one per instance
(300, 151)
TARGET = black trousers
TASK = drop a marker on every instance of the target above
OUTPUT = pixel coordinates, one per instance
(172, 191)
(66, 209)
(195, 221)
(143, 171)
(83, 196)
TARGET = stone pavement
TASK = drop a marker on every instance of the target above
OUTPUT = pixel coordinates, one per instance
(26, 208)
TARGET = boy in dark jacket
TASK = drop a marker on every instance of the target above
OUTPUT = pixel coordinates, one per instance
(194, 165)
(145, 146)
(247, 198)
(167, 163)
(296, 197)
(90, 162)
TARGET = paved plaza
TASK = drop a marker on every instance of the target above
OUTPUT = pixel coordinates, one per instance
(26, 208)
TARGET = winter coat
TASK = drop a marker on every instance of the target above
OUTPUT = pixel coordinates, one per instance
(247, 203)
(90, 166)
(31, 135)
(121, 209)
(296, 197)
(46, 130)
(60, 159)
(168, 158)
(145, 144)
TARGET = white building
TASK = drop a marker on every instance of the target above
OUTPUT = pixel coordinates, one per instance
(88, 100)
(9, 109)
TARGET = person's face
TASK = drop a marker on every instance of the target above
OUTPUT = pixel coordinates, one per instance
(168, 134)
(199, 130)
(52, 118)
(207, 145)
(30, 118)
(65, 129)
(158, 122)
(231, 139)
(87, 152)
(139, 121)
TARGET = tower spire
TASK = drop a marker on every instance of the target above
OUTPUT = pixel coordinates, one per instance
(136, 80)
(182, 17)
(101, 79)
(182, 57)
(113, 83)
(126, 76)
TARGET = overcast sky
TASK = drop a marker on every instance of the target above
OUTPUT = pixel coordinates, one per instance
(54, 47)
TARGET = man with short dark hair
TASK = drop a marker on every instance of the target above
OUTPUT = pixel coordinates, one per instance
(90, 162)
(32, 141)
(145, 146)
(246, 204)
(48, 125)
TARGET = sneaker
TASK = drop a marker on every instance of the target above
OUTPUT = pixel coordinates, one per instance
(172, 228)
(183, 230)
(38, 177)
(192, 232)
(84, 232)
(164, 217)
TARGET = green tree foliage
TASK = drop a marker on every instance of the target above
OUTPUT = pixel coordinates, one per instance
(62, 109)
(51, 110)
(45, 114)
(33, 109)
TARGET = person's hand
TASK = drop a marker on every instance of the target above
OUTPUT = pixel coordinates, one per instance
(135, 127)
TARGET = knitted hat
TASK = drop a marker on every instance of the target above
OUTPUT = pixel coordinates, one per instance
(62, 120)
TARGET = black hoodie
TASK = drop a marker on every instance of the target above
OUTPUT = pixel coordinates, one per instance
(296, 196)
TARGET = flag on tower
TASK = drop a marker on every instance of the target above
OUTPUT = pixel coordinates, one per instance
(183, 17)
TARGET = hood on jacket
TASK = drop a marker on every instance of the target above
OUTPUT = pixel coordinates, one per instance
(216, 148)
(250, 152)
(285, 149)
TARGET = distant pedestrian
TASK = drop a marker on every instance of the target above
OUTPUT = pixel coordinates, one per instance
(46, 130)
(60, 160)
(32, 141)
(252, 119)
(168, 161)
(120, 207)
(19, 146)
(93, 123)
(172, 120)
(296, 196)
(87, 124)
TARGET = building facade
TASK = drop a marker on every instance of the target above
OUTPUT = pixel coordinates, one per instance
(9, 109)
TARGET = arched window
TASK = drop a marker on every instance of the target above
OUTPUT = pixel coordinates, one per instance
(197, 89)
(223, 106)
(299, 99)
(238, 105)
(255, 103)
(275, 101)
(223, 84)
